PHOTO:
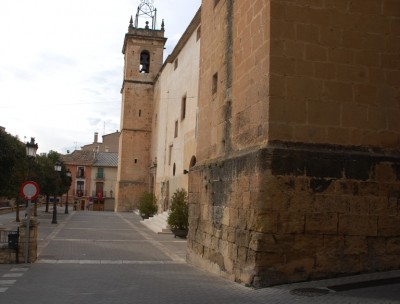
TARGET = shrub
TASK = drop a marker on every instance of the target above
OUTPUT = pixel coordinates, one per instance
(178, 217)
(147, 205)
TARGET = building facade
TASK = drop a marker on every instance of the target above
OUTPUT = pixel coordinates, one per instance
(94, 175)
(292, 149)
(143, 53)
(174, 124)
(103, 181)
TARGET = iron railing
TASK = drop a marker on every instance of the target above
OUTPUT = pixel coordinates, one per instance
(10, 239)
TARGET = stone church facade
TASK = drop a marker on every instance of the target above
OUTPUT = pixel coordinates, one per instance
(296, 137)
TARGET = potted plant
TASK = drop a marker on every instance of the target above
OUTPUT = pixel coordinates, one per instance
(178, 217)
(147, 205)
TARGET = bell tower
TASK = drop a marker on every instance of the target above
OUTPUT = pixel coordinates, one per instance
(143, 55)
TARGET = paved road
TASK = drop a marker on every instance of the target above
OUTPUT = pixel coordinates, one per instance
(101, 257)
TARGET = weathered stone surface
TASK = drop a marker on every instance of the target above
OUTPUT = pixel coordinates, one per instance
(304, 226)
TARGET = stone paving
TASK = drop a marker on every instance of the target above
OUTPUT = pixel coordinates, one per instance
(104, 257)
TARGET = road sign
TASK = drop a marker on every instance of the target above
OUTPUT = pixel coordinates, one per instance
(30, 190)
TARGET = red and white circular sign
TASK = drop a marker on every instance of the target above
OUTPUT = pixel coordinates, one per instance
(30, 190)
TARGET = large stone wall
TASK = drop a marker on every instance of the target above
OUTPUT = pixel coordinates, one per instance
(293, 212)
(298, 169)
(335, 72)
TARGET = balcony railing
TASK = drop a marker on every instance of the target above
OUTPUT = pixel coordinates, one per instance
(101, 194)
(94, 194)
(80, 193)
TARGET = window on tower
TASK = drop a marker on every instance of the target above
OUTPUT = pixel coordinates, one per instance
(144, 62)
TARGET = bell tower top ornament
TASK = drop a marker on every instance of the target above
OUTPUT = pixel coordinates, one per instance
(145, 12)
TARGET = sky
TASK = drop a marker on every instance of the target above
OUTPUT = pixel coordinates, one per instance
(61, 65)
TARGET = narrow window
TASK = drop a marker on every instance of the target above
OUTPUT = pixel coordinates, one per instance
(135, 160)
(198, 34)
(176, 129)
(195, 131)
(144, 62)
(100, 172)
(140, 113)
(183, 108)
(80, 188)
(170, 154)
(215, 83)
(81, 172)
(176, 64)
(174, 170)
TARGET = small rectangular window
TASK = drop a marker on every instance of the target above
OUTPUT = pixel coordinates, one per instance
(170, 154)
(215, 83)
(176, 129)
(176, 64)
(183, 108)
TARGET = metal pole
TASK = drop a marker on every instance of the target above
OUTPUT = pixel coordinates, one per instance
(27, 234)
(66, 204)
(54, 219)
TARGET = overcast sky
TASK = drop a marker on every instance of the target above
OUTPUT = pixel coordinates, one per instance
(61, 65)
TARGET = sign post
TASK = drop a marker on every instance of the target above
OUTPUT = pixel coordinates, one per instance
(30, 190)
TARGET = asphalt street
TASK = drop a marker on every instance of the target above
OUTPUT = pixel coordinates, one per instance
(106, 257)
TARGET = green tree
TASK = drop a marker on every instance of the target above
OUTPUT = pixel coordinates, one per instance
(14, 167)
(46, 179)
(13, 164)
(51, 182)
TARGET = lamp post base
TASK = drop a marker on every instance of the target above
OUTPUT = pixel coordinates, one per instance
(54, 219)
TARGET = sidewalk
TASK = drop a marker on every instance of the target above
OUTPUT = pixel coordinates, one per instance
(106, 257)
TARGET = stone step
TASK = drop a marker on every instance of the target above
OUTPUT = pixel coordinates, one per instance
(158, 223)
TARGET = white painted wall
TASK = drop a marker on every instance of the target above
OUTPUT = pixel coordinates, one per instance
(172, 85)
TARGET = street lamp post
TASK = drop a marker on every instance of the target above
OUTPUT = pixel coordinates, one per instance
(31, 149)
(57, 169)
(69, 180)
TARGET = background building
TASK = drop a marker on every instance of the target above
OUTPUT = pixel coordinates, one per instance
(103, 181)
(110, 143)
(94, 174)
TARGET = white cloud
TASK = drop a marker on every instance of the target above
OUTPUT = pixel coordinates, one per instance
(61, 65)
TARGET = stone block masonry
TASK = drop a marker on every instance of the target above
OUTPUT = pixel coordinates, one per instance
(297, 173)
(294, 212)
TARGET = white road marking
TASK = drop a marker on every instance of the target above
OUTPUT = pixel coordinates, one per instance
(19, 269)
(12, 275)
(7, 282)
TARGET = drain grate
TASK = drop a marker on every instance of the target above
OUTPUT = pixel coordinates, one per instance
(309, 292)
